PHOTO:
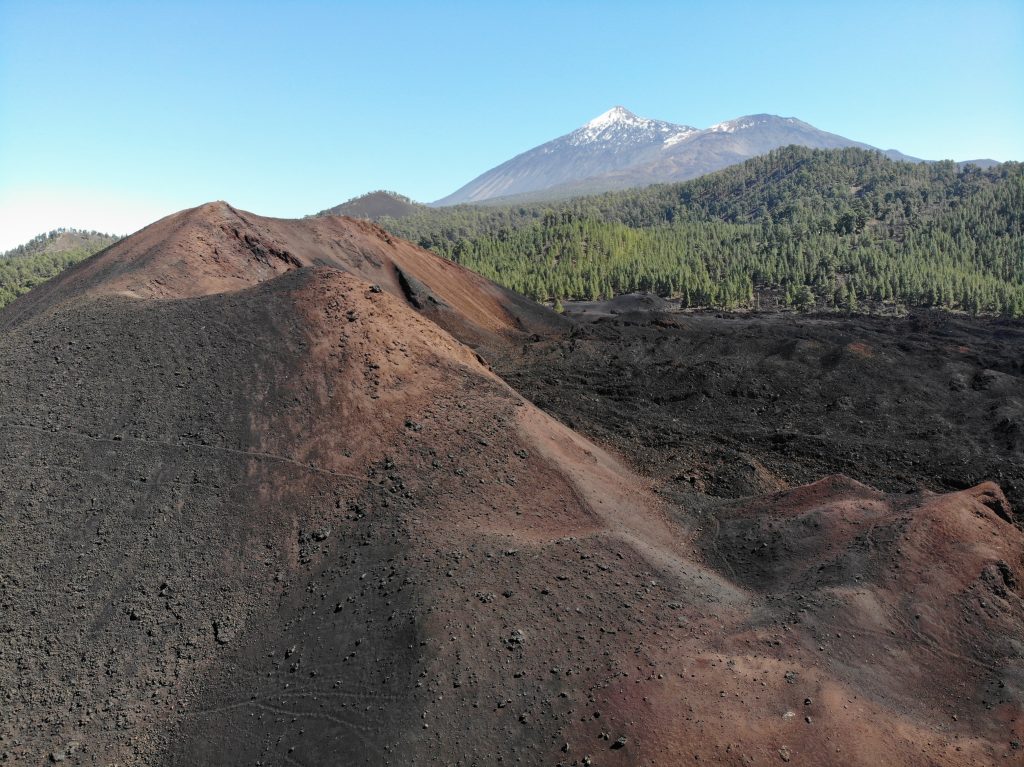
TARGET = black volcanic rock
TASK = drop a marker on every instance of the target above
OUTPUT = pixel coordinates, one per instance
(256, 507)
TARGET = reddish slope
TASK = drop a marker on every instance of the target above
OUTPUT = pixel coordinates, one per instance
(299, 523)
(217, 249)
(896, 614)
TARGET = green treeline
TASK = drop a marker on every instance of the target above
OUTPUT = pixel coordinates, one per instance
(844, 228)
(43, 257)
(816, 228)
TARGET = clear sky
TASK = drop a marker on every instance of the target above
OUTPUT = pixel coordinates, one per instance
(113, 114)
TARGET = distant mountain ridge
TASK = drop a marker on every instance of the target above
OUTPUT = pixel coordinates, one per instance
(44, 256)
(619, 150)
(62, 241)
(897, 234)
(611, 142)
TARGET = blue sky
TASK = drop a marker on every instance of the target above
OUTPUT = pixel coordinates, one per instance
(114, 114)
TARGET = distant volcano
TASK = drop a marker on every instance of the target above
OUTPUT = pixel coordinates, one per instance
(618, 150)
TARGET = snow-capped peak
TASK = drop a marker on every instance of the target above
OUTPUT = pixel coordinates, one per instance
(619, 126)
(619, 148)
(731, 126)
(613, 115)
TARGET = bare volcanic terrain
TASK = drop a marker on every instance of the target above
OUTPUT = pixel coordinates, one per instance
(737, 404)
(264, 501)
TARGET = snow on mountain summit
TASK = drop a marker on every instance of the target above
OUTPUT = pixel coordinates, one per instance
(620, 126)
(751, 121)
(619, 149)
(615, 114)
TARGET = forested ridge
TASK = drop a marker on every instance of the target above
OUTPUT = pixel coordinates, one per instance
(807, 228)
(45, 256)
(798, 227)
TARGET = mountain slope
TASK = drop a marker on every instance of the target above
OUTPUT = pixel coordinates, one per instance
(215, 249)
(717, 147)
(259, 502)
(375, 205)
(612, 141)
(799, 227)
(62, 241)
(36, 261)
(619, 150)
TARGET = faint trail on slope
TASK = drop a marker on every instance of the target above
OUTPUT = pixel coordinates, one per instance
(188, 446)
(624, 503)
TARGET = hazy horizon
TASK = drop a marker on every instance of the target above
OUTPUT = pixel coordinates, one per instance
(118, 114)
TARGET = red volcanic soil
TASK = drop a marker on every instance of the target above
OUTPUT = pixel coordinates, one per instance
(217, 249)
(261, 504)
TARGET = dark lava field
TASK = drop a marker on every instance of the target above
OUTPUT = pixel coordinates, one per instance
(300, 493)
(740, 404)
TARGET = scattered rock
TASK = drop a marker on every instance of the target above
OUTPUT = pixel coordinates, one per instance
(418, 294)
(223, 630)
(844, 403)
(515, 639)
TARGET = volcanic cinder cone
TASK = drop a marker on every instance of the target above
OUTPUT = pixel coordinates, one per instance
(262, 502)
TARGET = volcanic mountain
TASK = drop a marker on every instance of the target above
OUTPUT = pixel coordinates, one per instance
(619, 150)
(263, 502)
(374, 206)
